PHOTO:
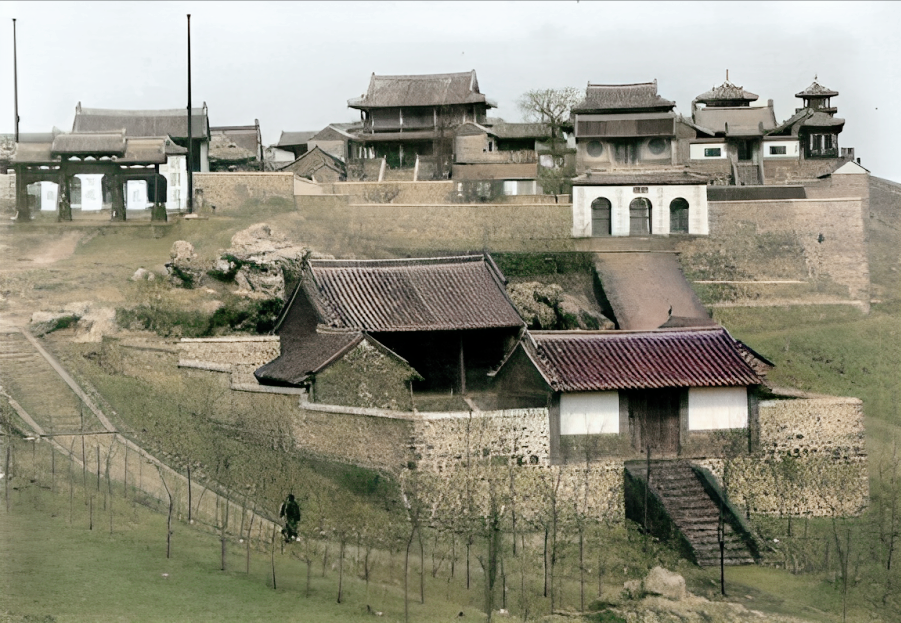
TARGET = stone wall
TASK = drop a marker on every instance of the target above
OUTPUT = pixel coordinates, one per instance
(236, 355)
(812, 460)
(136, 358)
(228, 192)
(393, 192)
(381, 230)
(816, 248)
(7, 193)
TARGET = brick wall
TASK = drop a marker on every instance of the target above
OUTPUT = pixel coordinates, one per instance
(232, 191)
(820, 243)
(374, 230)
(393, 192)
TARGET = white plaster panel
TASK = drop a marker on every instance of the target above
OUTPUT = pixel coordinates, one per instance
(696, 151)
(589, 413)
(717, 408)
(49, 192)
(621, 196)
(91, 192)
(791, 149)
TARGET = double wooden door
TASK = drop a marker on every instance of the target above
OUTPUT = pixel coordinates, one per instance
(654, 420)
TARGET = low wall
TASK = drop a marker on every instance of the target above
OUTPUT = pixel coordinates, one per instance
(7, 193)
(232, 191)
(237, 355)
(812, 460)
(382, 230)
(392, 192)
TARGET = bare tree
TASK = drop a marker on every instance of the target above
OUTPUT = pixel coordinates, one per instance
(552, 107)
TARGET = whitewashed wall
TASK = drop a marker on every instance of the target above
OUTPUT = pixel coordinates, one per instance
(717, 408)
(660, 197)
(176, 173)
(696, 151)
(589, 413)
(791, 149)
(91, 192)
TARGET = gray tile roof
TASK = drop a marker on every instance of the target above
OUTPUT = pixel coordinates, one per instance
(291, 139)
(142, 123)
(726, 92)
(93, 143)
(641, 178)
(608, 360)
(736, 120)
(420, 90)
(448, 293)
(816, 90)
(620, 97)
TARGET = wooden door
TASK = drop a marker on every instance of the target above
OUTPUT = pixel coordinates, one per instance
(654, 420)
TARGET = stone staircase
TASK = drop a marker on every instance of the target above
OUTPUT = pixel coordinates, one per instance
(28, 377)
(694, 513)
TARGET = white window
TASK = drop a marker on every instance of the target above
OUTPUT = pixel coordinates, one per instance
(589, 413)
(717, 408)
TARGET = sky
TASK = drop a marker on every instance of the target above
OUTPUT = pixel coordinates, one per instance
(293, 66)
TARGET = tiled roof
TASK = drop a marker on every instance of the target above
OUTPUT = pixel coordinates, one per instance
(645, 289)
(641, 178)
(302, 357)
(336, 132)
(643, 95)
(449, 293)
(736, 120)
(726, 92)
(822, 120)
(142, 123)
(290, 139)
(599, 361)
(816, 90)
(502, 129)
(246, 137)
(807, 117)
(137, 150)
(420, 90)
(90, 143)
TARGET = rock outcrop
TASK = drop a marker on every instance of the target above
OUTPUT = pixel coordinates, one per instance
(546, 306)
(184, 268)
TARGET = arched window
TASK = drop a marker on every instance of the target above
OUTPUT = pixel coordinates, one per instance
(640, 217)
(678, 216)
(600, 217)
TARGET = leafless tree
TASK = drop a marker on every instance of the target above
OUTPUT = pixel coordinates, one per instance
(552, 107)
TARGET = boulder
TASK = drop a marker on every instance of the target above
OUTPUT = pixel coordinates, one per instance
(632, 589)
(536, 313)
(44, 322)
(184, 268)
(259, 259)
(546, 306)
(142, 274)
(665, 583)
(576, 313)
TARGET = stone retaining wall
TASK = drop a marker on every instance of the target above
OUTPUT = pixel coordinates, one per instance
(228, 192)
(812, 460)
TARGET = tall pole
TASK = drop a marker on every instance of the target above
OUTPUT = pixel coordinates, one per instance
(15, 82)
(190, 135)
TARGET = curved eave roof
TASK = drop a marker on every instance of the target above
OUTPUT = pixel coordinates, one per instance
(611, 360)
(816, 90)
(726, 92)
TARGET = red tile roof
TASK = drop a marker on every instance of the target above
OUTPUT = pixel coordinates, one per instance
(447, 293)
(598, 361)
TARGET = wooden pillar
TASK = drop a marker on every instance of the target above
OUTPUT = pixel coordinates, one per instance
(462, 367)
(64, 196)
(23, 212)
(117, 197)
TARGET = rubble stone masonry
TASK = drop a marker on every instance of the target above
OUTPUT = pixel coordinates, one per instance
(812, 460)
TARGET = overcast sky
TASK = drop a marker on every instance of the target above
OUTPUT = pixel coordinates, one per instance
(293, 66)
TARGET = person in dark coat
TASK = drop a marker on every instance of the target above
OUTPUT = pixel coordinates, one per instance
(290, 510)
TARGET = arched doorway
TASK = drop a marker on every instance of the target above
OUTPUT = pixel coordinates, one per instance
(678, 216)
(640, 217)
(600, 217)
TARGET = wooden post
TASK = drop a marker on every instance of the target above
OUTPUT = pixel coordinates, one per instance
(462, 368)
(117, 197)
(64, 197)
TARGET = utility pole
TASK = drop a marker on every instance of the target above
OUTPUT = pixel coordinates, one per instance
(190, 134)
(15, 82)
